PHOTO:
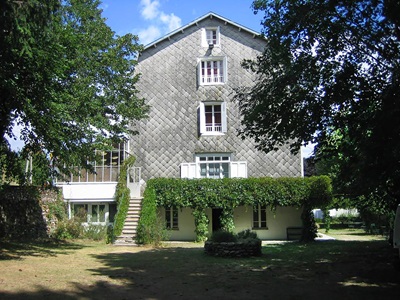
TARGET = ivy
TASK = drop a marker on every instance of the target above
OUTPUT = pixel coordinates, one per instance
(229, 193)
(122, 198)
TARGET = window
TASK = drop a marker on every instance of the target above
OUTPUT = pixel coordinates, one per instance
(212, 71)
(210, 36)
(92, 213)
(171, 217)
(212, 118)
(214, 166)
(260, 217)
(98, 213)
(80, 212)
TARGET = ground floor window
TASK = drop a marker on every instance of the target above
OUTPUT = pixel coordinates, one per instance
(260, 217)
(94, 212)
(214, 166)
(171, 217)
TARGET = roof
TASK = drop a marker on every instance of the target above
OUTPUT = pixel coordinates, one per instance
(209, 15)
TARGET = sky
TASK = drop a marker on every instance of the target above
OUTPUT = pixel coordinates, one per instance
(152, 19)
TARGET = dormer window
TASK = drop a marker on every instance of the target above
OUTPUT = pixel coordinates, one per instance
(210, 37)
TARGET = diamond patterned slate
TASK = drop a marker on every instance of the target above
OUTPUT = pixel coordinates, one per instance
(170, 136)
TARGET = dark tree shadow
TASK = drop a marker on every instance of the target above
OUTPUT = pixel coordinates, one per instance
(327, 270)
(17, 249)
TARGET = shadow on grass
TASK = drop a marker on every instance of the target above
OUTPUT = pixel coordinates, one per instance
(17, 249)
(329, 269)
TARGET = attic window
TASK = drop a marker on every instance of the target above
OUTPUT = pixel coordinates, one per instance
(210, 36)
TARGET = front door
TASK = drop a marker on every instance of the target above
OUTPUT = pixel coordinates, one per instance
(216, 219)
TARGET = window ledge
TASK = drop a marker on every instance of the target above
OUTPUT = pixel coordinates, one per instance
(212, 133)
(212, 84)
(259, 228)
(173, 229)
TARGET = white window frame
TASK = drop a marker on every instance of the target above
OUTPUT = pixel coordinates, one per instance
(89, 212)
(213, 129)
(219, 64)
(237, 169)
(260, 211)
(205, 39)
(214, 161)
(171, 221)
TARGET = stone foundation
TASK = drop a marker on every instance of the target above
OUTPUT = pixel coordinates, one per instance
(233, 249)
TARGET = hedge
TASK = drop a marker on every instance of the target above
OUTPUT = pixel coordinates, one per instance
(229, 193)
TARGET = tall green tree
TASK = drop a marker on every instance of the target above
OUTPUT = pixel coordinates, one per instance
(330, 69)
(66, 79)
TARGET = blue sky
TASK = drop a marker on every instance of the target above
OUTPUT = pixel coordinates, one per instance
(151, 19)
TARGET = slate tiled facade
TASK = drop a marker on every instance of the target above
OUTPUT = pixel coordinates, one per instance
(169, 82)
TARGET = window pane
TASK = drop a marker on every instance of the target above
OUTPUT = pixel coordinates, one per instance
(102, 213)
(94, 213)
(225, 170)
(80, 212)
(255, 217)
(203, 170)
(168, 217)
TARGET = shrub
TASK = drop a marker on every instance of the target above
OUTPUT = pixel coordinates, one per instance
(68, 229)
(247, 235)
(95, 232)
(223, 236)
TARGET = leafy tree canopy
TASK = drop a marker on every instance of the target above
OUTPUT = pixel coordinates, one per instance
(66, 79)
(330, 74)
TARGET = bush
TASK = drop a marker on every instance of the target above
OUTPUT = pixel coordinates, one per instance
(95, 232)
(223, 236)
(247, 235)
(68, 229)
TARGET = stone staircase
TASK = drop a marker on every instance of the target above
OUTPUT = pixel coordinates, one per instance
(128, 235)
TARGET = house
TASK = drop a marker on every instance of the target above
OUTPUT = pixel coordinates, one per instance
(188, 78)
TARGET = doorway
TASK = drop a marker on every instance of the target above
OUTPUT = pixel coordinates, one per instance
(216, 219)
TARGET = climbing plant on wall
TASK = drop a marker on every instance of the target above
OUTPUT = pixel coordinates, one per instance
(229, 193)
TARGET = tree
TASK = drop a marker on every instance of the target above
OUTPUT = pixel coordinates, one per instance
(66, 79)
(330, 72)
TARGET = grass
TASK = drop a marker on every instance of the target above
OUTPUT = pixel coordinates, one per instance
(346, 269)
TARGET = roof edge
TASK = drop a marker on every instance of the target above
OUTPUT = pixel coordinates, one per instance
(208, 15)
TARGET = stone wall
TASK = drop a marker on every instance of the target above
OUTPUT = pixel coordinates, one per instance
(233, 249)
(25, 211)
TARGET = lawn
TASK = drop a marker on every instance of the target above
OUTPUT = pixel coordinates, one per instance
(356, 268)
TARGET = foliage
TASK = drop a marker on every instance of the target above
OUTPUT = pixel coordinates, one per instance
(151, 229)
(229, 193)
(201, 223)
(68, 229)
(21, 215)
(247, 235)
(66, 80)
(223, 236)
(122, 198)
(327, 219)
(330, 73)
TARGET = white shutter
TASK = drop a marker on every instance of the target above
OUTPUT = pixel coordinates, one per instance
(218, 36)
(224, 117)
(203, 38)
(188, 170)
(225, 70)
(239, 169)
(202, 118)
